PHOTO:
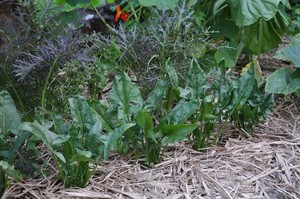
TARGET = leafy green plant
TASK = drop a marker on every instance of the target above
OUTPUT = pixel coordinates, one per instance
(11, 140)
(251, 27)
(171, 113)
(286, 80)
(126, 105)
(77, 145)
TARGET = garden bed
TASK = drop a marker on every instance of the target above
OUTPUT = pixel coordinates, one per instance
(262, 165)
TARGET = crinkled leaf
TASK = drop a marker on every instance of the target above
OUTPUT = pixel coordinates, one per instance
(239, 91)
(10, 118)
(196, 79)
(159, 3)
(283, 80)
(247, 12)
(125, 97)
(81, 114)
(99, 110)
(175, 132)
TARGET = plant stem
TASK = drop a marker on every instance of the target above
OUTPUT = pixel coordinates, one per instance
(219, 132)
(47, 82)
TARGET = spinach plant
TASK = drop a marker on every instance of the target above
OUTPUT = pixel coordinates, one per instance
(154, 129)
(11, 139)
(77, 145)
(171, 113)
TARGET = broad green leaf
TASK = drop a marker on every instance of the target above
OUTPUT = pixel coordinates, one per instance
(94, 136)
(245, 85)
(113, 136)
(227, 54)
(156, 96)
(290, 53)
(175, 132)
(240, 91)
(81, 114)
(60, 125)
(265, 35)
(196, 79)
(257, 70)
(40, 130)
(60, 156)
(82, 155)
(144, 120)
(125, 97)
(182, 111)
(247, 12)
(10, 118)
(283, 80)
(68, 150)
(161, 4)
(99, 110)
(9, 170)
(49, 138)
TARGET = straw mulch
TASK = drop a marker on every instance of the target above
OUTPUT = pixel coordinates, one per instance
(265, 164)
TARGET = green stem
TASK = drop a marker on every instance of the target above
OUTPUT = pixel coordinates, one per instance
(219, 132)
(47, 82)
(134, 11)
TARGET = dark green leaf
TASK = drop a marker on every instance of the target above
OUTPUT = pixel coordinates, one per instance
(156, 96)
(113, 136)
(175, 132)
(196, 79)
(99, 110)
(247, 12)
(10, 118)
(226, 54)
(81, 114)
(265, 35)
(182, 111)
(125, 97)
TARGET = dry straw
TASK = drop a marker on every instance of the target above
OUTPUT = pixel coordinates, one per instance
(264, 165)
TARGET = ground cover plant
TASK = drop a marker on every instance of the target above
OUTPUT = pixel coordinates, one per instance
(153, 73)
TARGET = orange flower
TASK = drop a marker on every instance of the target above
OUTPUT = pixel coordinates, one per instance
(120, 14)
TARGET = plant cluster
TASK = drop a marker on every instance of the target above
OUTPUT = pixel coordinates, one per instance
(184, 86)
